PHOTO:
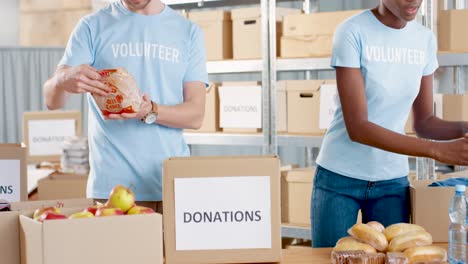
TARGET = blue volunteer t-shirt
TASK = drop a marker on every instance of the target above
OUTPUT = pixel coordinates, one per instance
(392, 62)
(162, 52)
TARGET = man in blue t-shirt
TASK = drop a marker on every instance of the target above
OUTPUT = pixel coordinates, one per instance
(166, 54)
(384, 63)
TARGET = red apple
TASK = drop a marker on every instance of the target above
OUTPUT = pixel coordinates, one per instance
(40, 211)
(140, 210)
(51, 216)
(121, 197)
(108, 211)
(93, 209)
(84, 214)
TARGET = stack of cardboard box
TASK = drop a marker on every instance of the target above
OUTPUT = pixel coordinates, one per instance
(50, 22)
(452, 31)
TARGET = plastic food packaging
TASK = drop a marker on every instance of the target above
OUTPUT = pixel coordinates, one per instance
(369, 235)
(409, 240)
(376, 258)
(342, 257)
(396, 258)
(429, 254)
(397, 229)
(125, 96)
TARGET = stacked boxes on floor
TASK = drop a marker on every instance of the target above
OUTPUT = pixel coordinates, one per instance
(50, 22)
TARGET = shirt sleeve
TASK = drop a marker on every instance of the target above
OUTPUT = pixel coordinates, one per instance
(79, 48)
(196, 69)
(431, 57)
(346, 50)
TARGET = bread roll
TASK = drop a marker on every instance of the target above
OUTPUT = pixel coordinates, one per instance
(351, 244)
(376, 225)
(409, 240)
(369, 235)
(426, 254)
(397, 229)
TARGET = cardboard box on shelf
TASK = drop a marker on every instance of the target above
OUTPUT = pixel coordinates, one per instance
(10, 230)
(247, 37)
(62, 186)
(49, 28)
(281, 107)
(310, 109)
(296, 193)
(451, 30)
(455, 107)
(101, 239)
(311, 35)
(207, 221)
(240, 106)
(211, 119)
(45, 132)
(217, 30)
(13, 179)
(438, 111)
(430, 206)
(48, 5)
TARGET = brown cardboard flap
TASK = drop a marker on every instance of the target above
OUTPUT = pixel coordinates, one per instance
(65, 203)
(31, 241)
(213, 15)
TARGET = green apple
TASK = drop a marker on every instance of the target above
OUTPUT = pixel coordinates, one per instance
(121, 197)
(140, 210)
(84, 214)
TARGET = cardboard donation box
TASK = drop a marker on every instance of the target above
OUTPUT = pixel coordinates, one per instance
(217, 29)
(452, 30)
(211, 119)
(222, 209)
(247, 31)
(10, 227)
(455, 107)
(240, 106)
(311, 35)
(430, 208)
(118, 239)
(45, 132)
(296, 193)
(311, 105)
(13, 173)
(62, 186)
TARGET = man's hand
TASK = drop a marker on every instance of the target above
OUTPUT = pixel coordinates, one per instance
(81, 79)
(145, 107)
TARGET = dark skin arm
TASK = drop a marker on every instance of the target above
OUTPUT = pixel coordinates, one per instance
(354, 104)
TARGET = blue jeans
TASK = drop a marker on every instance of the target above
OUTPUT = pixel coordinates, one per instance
(336, 200)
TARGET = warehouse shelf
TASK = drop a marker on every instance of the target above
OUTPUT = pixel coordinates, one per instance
(295, 232)
(234, 66)
(306, 64)
(250, 139)
(453, 59)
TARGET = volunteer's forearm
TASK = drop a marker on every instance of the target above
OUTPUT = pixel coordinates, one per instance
(379, 137)
(186, 115)
(438, 129)
(54, 96)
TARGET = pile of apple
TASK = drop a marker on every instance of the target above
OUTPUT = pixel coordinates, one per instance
(121, 201)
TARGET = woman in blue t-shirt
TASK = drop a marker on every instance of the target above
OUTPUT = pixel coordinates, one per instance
(384, 63)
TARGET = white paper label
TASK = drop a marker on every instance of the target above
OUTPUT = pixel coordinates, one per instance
(218, 213)
(10, 180)
(329, 101)
(46, 137)
(240, 106)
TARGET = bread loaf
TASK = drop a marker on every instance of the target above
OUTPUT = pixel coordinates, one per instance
(397, 229)
(376, 225)
(409, 240)
(426, 254)
(351, 244)
(369, 235)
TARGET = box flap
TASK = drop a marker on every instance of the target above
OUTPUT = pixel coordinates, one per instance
(247, 157)
(31, 241)
(63, 203)
(255, 12)
(9, 242)
(212, 15)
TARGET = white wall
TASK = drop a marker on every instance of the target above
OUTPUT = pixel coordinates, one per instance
(9, 22)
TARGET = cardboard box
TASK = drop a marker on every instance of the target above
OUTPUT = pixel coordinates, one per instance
(438, 111)
(222, 209)
(13, 179)
(309, 112)
(296, 193)
(455, 107)
(49, 28)
(111, 239)
(217, 29)
(452, 30)
(457, 174)
(48, 5)
(10, 230)
(430, 208)
(62, 186)
(311, 35)
(211, 119)
(45, 132)
(247, 28)
(281, 107)
(240, 106)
